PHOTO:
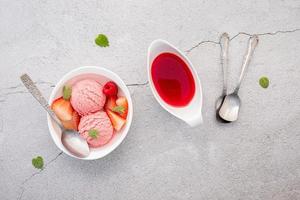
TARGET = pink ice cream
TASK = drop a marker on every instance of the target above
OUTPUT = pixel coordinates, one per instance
(87, 97)
(97, 121)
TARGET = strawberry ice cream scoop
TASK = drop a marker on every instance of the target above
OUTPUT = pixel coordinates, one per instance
(98, 122)
(87, 97)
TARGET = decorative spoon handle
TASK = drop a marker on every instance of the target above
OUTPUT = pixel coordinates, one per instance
(29, 84)
(224, 43)
(253, 41)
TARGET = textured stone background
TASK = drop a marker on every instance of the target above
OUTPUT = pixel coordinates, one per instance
(257, 157)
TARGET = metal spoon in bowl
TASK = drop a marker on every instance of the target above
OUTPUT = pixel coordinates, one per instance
(69, 138)
(224, 43)
(229, 109)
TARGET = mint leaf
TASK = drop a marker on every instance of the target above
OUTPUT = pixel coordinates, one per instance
(93, 133)
(264, 82)
(119, 109)
(102, 41)
(38, 162)
(67, 92)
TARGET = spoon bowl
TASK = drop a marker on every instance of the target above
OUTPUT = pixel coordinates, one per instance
(230, 108)
(218, 105)
(74, 143)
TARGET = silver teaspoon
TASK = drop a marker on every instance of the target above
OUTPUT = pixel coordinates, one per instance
(224, 43)
(71, 139)
(229, 110)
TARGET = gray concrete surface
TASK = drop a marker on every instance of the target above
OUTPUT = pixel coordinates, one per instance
(257, 157)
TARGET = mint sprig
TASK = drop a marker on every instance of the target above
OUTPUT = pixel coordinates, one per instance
(119, 109)
(102, 40)
(67, 92)
(38, 162)
(264, 82)
(93, 133)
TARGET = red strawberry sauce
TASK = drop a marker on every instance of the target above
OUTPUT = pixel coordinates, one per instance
(173, 79)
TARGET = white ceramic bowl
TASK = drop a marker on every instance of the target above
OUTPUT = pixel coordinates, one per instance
(102, 75)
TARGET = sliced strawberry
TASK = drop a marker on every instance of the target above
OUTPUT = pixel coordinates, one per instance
(117, 121)
(73, 123)
(122, 101)
(63, 109)
(65, 113)
(110, 102)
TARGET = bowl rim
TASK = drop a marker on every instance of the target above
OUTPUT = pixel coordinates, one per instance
(108, 74)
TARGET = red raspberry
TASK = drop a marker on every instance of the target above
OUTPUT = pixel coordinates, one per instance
(110, 89)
